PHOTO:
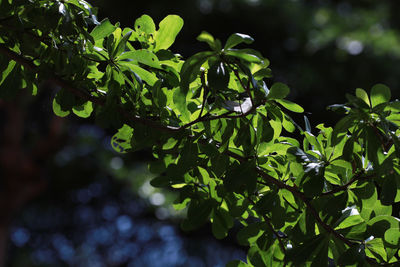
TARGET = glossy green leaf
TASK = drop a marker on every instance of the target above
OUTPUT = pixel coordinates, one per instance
(238, 38)
(242, 54)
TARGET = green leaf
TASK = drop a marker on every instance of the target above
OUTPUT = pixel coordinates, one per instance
(209, 39)
(241, 177)
(11, 82)
(160, 182)
(204, 175)
(121, 141)
(168, 30)
(65, 99)
(238, 38)
(392, 237)
(249, 234)
(143, 56)
(321, 257)
(308, 127)
(360, 93)
(300, 253)
(290, 105)
(121, 44)
(377, 248)
(144, 75)
(198, 213)
(218, 77)
(83, 110)
(102, 30)
(389, 190)
(58, 110)
(379, 94)
(8, 69)
(341, 128)
(378, 225)
(256, 257)
(221, 223)
(278, 91)
(191, 68)
(179, 99)
(243, 54)
(314, 182)
(353, 255)
(145, 24)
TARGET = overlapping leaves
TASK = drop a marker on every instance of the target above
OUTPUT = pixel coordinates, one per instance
(217, 128)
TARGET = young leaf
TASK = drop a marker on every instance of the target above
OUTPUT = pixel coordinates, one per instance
(169, 29)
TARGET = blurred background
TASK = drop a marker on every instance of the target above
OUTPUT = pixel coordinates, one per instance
(88, 206)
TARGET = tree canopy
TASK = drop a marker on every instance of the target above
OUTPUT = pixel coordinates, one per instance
(221, 133)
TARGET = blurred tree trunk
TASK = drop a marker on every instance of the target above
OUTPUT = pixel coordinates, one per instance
(21, 170)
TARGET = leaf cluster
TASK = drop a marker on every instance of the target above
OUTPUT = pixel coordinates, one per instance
(220, 136)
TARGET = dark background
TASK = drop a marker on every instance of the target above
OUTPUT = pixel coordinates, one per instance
(98, 209)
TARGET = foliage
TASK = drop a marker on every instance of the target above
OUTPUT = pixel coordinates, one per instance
(220, 136)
